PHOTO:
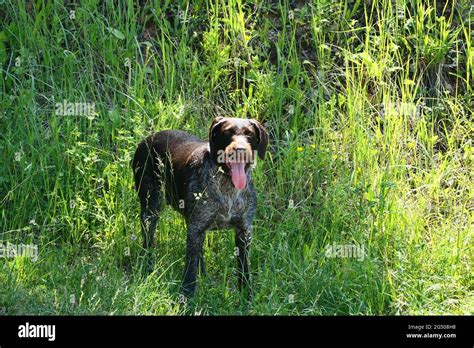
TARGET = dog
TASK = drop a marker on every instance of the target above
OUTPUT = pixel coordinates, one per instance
(208, 182)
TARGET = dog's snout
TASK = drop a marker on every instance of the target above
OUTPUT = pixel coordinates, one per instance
(240, 143)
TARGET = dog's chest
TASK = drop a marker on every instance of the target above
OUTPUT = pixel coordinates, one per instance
(221, 204)
(230, 207)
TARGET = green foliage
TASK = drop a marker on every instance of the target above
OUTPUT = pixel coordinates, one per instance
(369, 109)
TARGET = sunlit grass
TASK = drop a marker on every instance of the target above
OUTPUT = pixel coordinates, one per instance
(369, 109)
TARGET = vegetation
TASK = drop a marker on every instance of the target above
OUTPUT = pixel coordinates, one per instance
(369, 110)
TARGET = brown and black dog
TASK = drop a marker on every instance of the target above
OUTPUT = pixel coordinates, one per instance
(208, 182)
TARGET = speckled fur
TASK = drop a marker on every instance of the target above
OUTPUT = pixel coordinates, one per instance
(198, 189)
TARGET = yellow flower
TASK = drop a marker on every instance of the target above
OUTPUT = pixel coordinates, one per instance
(313, 146)
(300, 148)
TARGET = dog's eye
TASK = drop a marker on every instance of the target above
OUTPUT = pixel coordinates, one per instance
(248, 134)
(227, 132)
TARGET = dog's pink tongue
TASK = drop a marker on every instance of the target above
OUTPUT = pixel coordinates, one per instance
(237, 171)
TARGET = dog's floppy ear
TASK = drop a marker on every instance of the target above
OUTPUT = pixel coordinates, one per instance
(215, 126)
(262, 138)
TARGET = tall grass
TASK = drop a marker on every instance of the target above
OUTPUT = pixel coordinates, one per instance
(369, 109)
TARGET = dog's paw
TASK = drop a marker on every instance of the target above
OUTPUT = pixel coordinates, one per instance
(188, 289)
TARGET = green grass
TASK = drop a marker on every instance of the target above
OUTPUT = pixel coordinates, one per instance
(369, 110)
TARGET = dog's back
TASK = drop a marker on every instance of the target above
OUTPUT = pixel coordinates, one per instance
(164, 158)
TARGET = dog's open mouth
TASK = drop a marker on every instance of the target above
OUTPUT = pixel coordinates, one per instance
(237, 174)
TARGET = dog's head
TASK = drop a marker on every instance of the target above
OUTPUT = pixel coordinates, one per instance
(234, 143)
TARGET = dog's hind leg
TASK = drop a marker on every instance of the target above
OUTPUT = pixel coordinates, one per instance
(148, 184)
(150, 200)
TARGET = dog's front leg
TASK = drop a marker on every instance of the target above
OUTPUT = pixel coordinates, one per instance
(194, 247)
(243, 237)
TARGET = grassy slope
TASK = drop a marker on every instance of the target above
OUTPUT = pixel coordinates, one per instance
(330, 80)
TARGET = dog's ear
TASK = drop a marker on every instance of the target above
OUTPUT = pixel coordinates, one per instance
(213, 130)
(262, 138)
